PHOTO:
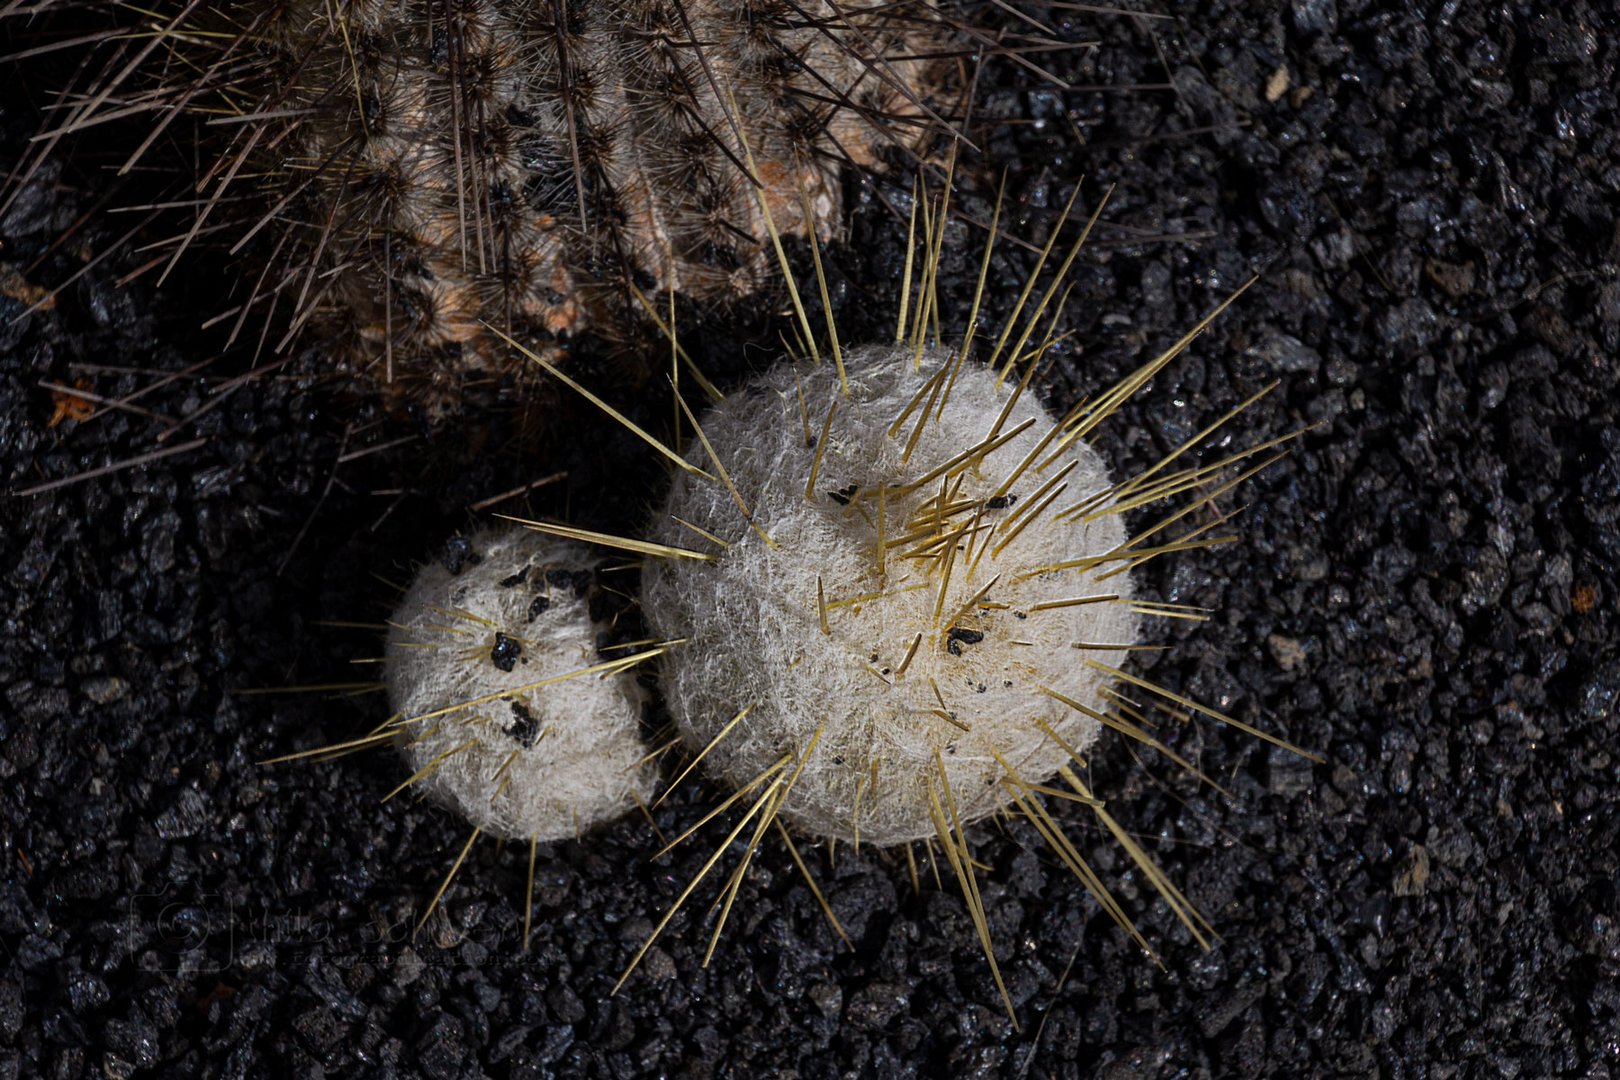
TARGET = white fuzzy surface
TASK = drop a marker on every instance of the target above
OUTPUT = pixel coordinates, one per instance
(753, 617)
(440, 653)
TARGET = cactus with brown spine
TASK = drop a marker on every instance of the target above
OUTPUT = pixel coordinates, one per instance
(408, 174)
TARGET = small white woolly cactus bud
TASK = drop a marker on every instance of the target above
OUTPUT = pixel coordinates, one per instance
(927, 602)
(483, 669)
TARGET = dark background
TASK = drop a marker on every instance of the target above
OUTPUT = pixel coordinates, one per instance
(1425, 592)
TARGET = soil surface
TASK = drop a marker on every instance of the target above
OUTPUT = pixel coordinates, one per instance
(1424, 591)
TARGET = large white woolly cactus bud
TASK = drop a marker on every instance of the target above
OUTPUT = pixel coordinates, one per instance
(923, 580)
(506, 711)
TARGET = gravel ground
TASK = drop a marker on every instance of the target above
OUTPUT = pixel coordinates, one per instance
(1425, 592)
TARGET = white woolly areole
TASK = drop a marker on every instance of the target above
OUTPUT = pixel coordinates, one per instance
(752, 617)
(545, 761)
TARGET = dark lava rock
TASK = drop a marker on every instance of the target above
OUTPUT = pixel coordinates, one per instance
(1424, 591)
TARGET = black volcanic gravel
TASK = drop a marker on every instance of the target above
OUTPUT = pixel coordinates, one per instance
(1425, 592)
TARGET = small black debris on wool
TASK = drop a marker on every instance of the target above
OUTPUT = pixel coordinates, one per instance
(505, 652)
